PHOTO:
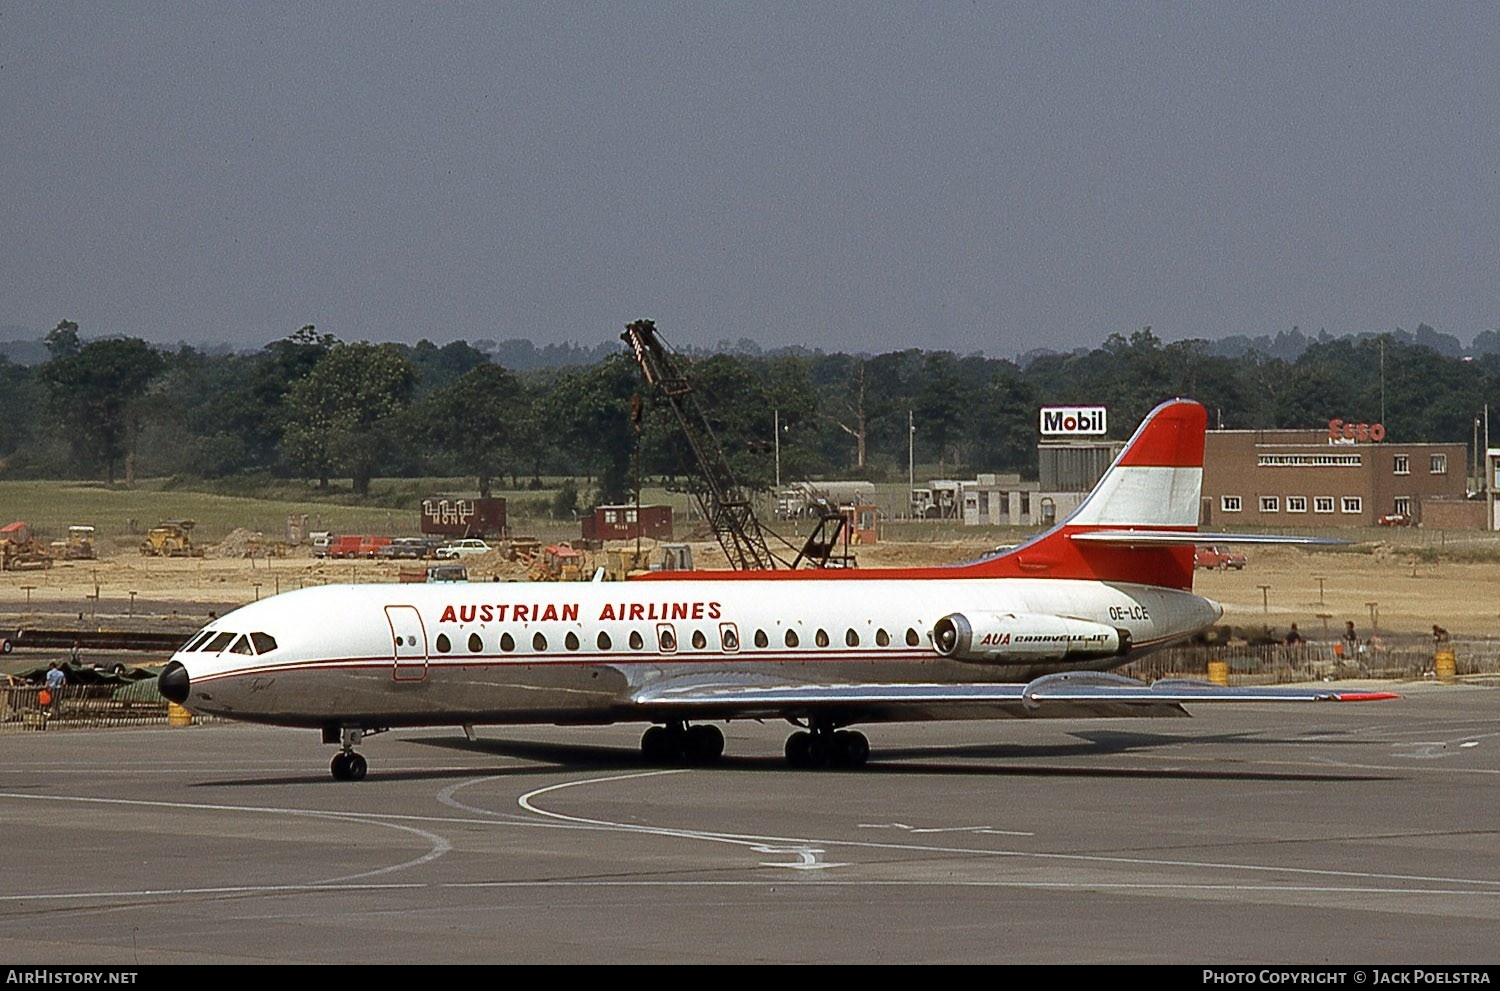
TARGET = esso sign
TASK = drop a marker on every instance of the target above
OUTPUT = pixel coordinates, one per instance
(1086, 420)
(1361, 432)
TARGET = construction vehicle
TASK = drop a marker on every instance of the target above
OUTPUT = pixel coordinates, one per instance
(559, 563)
(725, 503)
(621, 563)
(171, 538)
(19, 551)
(79, 545)
(522, 549)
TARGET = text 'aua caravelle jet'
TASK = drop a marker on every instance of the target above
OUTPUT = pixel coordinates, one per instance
(1026, 633)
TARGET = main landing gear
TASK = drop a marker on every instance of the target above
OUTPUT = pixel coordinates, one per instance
(824, 745)
(679, 743)
(821, 744)
(347, 765)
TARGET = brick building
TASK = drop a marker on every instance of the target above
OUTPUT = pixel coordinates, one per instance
(1307, 478)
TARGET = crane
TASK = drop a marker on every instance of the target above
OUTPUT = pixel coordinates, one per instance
(725, 503)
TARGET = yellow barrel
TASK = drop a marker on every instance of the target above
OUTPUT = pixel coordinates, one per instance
(1218, 672)
(178, 716)
(1444, 664)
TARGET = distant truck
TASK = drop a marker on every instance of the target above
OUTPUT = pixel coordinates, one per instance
(1218, 558)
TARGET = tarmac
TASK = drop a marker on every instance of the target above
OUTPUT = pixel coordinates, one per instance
(1312, 834)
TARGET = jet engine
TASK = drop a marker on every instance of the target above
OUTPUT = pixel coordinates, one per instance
(1006, 638)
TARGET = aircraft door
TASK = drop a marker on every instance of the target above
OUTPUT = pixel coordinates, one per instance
(408, 643)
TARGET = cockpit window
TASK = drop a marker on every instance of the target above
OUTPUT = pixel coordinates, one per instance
(264, 642)
(242, 646)
(219, 642)
(198, 638)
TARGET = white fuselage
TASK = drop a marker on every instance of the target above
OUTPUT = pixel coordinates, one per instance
(447, 653)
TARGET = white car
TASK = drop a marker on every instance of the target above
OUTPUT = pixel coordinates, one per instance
(469, 547)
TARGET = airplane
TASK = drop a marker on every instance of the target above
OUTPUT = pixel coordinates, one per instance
(1031, 631)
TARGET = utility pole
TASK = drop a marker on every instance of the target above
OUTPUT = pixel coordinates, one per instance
(911, 461)
(776, 428)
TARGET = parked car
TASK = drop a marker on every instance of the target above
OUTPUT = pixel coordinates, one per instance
(1220, 558)
(468, 547)
(408, 549)
(1395, 519)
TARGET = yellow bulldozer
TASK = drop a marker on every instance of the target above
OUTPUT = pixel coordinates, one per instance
(171, 538)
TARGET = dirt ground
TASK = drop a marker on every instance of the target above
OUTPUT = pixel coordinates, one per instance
(1318, 590)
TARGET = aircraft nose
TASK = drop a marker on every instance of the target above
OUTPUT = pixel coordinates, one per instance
(173, 682)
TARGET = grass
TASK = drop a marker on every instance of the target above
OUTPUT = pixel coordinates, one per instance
(122, 515)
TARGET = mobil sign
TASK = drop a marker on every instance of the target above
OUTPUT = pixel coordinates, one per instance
(1073, 420)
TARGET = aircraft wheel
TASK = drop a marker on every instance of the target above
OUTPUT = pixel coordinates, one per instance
(357, 767)
(705, 744)
(799, 749)
(851, 749)
(658, 744)
(340, 766)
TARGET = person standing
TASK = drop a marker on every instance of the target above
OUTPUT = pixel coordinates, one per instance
(1351, 640)
(1294, 637)
(56, 679)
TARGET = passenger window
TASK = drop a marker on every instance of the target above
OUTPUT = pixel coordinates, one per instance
(265, 643)
(666, 639)
(241, 646)
(442, 644)
(851, 638)
(604, 642)
(571, 642)
(729, 638)
(761, 640)
(822, 638)
(882, 638)
(507, 642)
(636, 640)
(912, 640)
(475, 643)
(539, 642)
(699, 640)
(791, 638)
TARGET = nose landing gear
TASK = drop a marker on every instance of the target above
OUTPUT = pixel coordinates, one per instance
(347, 765)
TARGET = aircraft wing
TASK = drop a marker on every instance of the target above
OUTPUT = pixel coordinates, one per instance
(1058, 696)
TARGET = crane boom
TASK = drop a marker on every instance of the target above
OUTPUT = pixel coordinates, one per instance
(725, 502)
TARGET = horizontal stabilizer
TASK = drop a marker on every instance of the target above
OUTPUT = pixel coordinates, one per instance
(1184, 538)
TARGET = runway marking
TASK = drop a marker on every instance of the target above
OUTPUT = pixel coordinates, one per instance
(808, 855)
(564, 883)
(915, 830)
(757, 843)
(440, 845)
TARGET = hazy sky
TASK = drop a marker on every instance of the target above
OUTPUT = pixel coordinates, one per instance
(861, 176)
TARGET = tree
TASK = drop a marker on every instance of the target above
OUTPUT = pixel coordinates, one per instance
(97, 392)
(474, 419)
(342, 409)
